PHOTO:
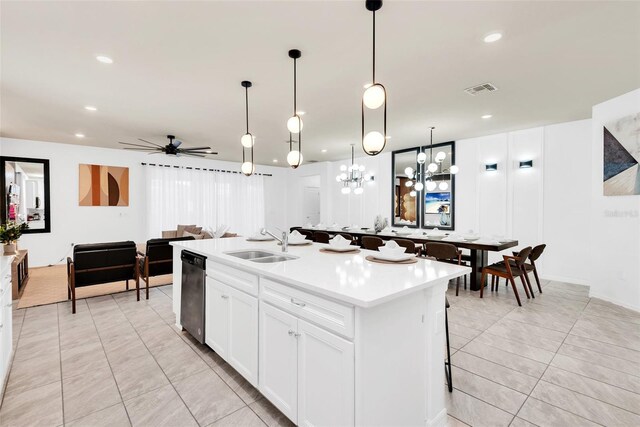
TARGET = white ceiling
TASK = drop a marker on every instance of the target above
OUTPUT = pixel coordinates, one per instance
(178, 66)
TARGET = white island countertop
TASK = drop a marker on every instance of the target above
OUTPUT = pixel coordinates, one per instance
(348, 278)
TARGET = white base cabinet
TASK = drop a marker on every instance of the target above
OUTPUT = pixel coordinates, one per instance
(6, 324)
(231, 327)
(305, 371)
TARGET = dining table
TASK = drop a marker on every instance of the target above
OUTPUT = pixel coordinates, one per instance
(477, 258)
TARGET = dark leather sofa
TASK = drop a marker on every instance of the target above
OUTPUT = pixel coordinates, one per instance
(99, 263)
(158, 258)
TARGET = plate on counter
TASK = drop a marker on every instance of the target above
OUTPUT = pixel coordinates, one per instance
(393, 257)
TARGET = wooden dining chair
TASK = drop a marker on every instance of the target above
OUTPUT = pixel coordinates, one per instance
(446, 252)
(510, 268)
(308, 235)
(410, 247)
(372, 243)
(536, 252)
(321, 237)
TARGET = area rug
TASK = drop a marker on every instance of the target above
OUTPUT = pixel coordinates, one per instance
(48, 285)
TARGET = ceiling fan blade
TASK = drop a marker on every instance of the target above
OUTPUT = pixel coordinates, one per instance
(182, 153)
(143, 149)
(195, 149)
(139, 145)
(149, 142)
(176, 143)
(199, 152)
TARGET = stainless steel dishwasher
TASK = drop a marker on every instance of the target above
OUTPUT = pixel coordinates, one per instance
(192, 294)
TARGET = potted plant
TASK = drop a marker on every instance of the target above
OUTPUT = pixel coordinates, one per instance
(9, 235)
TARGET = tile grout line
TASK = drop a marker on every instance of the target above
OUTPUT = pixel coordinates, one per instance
(60, 359)
(154, 358)
(108, 363)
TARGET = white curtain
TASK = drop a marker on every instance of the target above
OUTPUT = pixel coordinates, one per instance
(205, 198)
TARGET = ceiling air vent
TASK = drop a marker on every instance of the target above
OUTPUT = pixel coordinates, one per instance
(485, 87)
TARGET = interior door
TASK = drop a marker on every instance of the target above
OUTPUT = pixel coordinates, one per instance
(217, 316)
(243, 334)
(278, 359)
(311, 205)
(326, 378)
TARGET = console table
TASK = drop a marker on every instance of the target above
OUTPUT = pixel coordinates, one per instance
(19, 272)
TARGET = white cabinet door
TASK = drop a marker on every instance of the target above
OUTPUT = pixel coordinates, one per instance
(326, 378)
(216, 316)
(242, 349)
(278, 359)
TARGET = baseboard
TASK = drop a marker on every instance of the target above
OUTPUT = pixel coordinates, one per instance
(613, 301)
(439, 420)
(564, 279)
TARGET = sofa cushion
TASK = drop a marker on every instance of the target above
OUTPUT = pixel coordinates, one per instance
(181, 228)
(193, 235)
(192, 230)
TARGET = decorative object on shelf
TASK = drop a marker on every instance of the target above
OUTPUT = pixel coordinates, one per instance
(380, 223)
(524, 164)
(10, 232)
(491, 167)
(294, 124)
(374, 97)
(103, 185)
(172, 148)
(353, 176)
(621, 157)
(247, 140)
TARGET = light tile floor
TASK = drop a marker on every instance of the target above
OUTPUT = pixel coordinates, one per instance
(562, 359)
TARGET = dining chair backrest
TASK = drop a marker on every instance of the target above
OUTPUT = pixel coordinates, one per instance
(349, 237)
(523, 255)
(410, 247)
(371, 243)
(536, 252)
(441, 251)
(321, 237)
(308, 235)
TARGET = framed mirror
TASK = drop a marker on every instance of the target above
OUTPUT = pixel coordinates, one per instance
(438, 201)
(25, 185)
(405, 207)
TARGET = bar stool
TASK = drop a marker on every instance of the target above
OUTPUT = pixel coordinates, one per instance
(446, 252)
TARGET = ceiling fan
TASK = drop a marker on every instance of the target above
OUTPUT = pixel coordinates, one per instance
(172, 148)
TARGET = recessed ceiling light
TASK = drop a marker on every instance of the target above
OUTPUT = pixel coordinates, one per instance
(275, 160)
(104, 59)
(324, 150)
(493, 37)
(90, 108)
(487, 116)
(79, 135)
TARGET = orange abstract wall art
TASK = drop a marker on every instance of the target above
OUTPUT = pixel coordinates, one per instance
(103, 185)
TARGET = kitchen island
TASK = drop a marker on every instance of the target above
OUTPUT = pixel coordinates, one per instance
(329, 339)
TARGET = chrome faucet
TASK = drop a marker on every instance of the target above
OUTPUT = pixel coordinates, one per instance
(284, 241)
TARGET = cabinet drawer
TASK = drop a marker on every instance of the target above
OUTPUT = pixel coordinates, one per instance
(239, 279)
(331, 315)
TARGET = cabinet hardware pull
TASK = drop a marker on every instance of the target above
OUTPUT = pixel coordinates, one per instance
(291, 333)
(224, 296)
(299, 304)
(296, 335)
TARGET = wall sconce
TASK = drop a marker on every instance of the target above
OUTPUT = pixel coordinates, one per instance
(491, 167)
(526, 164)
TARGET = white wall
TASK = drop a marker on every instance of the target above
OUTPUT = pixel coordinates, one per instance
(71, 223)
(614, 220)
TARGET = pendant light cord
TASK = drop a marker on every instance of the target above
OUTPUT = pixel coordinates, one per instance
(295, 92)
(246, 106)
(374, 48)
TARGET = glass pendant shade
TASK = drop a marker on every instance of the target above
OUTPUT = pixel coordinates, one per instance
(443, 186)
(409, 183)
(419, 186)
(374, 97)
(412, 194)
(422, 157)
(409, 172)
(247, 140)
(432, 167)
(440, 156)
(294, 158)
(343, 168)
(248, 168)
(294, 124)
(346, 190)
(373, 142)
(343, 176)
(358, 190)
(431, 185)
(454, 169)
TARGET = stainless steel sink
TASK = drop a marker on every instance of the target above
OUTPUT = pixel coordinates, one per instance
(275, 258)
(262, 257)
(250, 254)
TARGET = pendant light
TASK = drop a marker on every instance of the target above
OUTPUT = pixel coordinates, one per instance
(435, 168)
(374, 97)
(353, 176)
(247, 141)
(294, 124)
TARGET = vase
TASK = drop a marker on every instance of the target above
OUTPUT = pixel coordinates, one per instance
(9, 248)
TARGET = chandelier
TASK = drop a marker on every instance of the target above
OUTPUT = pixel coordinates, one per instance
(432, 172)
(353, 177)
